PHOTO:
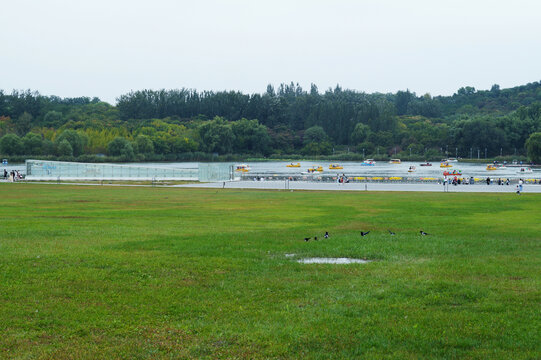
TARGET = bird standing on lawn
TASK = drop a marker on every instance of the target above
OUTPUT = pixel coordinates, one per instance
(423, 233)
(307, 239)
(326, 234)
(390, 232)
(365, 233)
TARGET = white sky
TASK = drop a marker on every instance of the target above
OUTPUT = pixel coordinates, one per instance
(106, 48)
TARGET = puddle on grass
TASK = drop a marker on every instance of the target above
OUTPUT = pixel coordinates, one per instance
(332, 261)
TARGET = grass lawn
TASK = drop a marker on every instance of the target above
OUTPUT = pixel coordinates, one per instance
(162, 273)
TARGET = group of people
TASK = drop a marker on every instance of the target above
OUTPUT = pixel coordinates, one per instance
(489, 181)
(12, 176)
(499, 182)
(342, 179)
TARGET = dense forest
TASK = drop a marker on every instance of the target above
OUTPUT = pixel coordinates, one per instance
(287, 122)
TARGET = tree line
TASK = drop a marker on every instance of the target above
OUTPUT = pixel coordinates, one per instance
(176, 124)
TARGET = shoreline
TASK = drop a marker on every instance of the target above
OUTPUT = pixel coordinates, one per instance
(321, 186)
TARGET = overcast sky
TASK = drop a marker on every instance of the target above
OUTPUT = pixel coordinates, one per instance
(106, 48)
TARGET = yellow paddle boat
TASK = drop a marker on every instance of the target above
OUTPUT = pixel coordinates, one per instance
(314, 169)
(294, 165)
(242, 168)
(492, 167)
(335, 167)
(395, 161)
(445, 165)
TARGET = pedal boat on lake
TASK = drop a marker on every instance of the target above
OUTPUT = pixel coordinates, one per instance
(335, 167)
(412, 169)
(492, 167)
(452, 173)
(294, 165)
(445, 165)
(425, 164)
(368, 162)
(395, 161)
(525, 170)
(314, 169)
(242, 168)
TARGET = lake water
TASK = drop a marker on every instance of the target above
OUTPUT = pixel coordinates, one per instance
(385, 169)
(353, 168)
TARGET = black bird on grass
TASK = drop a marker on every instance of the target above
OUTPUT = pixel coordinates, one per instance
(307, 239)
(390, 232)
(315, 238)
(365, 233)
(326, 234)
(423, 233)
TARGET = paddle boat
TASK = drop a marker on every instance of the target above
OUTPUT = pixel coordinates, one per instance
(335, 167)
(525, 170)
(492, 167)
(412, 169)
(395, 161)
(425, 164)
(452, 173)
(445, 165)
(242, 168)
(314, 169)
(368, 162)
(294, 165)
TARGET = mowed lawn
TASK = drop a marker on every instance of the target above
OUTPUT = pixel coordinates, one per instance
(90, 272)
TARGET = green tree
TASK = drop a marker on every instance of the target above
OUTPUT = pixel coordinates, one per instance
(64, 148)
(360, 133)
(120, 146)
(47, 147)
(144, 145)
(250, 136)
(32, 144)
(11, 144)
(53, 119)
(533, 147)
(77, 141)
(314, 134)
(402, 100)
(217, 136)
(23, 123)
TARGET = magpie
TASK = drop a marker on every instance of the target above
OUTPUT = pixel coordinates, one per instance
(365, 233)
(423, 233)
(307, 239)
(390, 232)
(326, 234)
(315, 238)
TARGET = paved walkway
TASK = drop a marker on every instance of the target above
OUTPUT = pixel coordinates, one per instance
(327, 186)
(303, 185)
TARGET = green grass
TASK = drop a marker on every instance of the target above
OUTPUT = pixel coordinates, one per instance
(162, 273)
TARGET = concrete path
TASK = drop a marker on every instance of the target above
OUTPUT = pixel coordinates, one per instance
(302, 185)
